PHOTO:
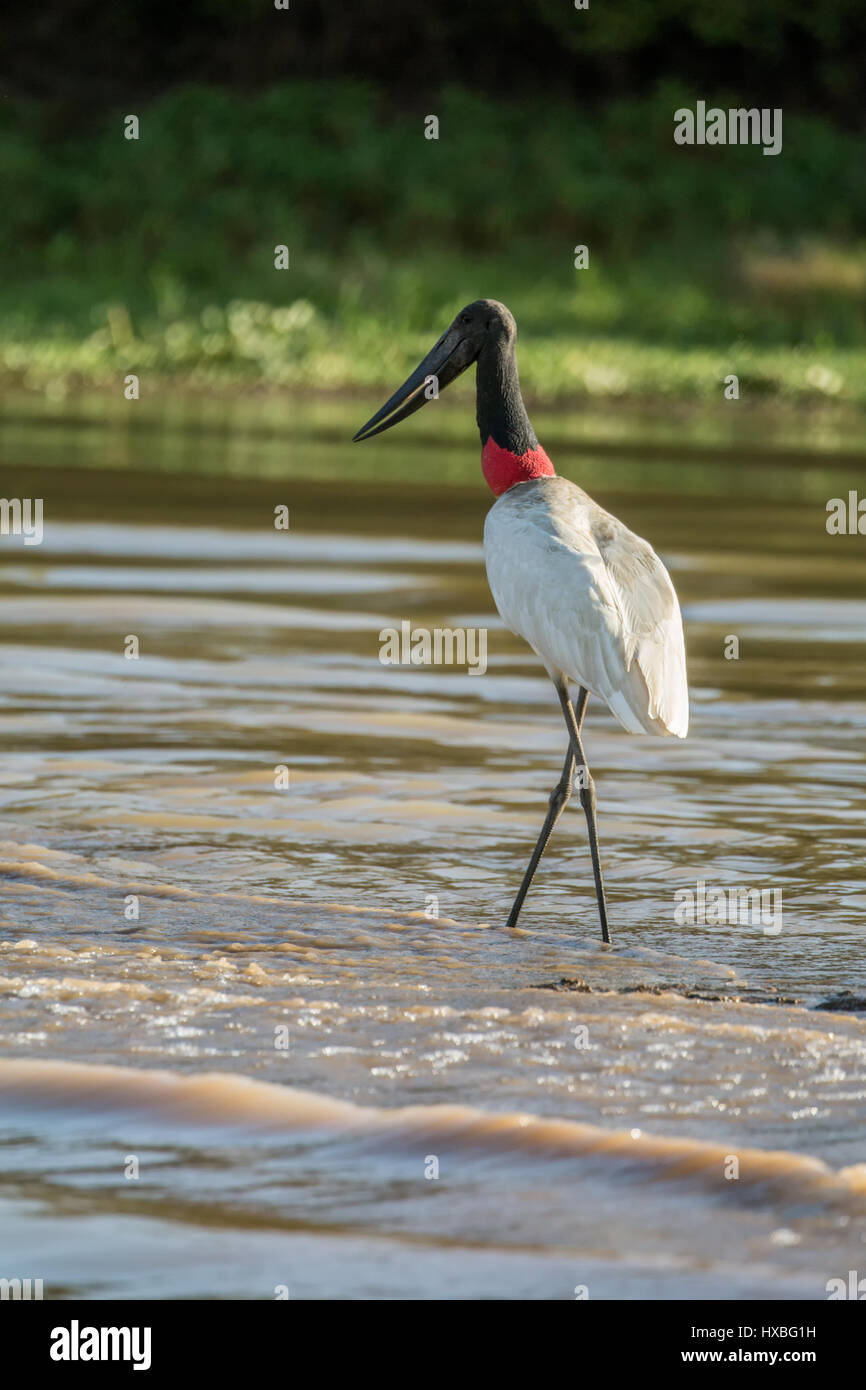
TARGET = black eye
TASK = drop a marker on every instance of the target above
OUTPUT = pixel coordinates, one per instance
(465, 318)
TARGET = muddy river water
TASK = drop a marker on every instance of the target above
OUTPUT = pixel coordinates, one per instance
(261, 1026)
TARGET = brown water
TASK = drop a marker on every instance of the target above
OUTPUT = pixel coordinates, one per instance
(304, 1158)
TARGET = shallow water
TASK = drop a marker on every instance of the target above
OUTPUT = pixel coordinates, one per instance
(288, 937)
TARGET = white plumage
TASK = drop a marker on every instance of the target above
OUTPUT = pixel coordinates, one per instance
(592, 599)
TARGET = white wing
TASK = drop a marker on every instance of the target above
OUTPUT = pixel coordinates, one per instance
(592, 599)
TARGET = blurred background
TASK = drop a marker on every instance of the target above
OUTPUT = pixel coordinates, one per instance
(305, 127)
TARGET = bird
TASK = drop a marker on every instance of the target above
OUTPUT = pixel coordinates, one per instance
(591, 598)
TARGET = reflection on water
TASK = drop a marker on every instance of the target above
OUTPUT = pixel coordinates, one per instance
(165, 905)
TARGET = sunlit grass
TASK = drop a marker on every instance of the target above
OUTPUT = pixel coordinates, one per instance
(568, 354)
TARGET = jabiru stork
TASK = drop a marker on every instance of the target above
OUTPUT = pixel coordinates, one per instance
(590, 597)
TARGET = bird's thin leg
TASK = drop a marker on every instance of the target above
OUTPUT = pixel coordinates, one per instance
(587, 794)
(557, 803)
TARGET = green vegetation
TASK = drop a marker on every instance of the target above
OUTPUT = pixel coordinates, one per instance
(156, 256)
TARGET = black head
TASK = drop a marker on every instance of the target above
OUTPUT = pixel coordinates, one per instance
(485, 319)
(483, 322)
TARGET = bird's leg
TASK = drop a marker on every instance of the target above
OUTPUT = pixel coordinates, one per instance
(587, 793)
(557, 803)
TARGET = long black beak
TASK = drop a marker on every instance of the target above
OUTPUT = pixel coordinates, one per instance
(444, 362)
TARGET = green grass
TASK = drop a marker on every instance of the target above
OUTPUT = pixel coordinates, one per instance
(156, 257)
(574, 345)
